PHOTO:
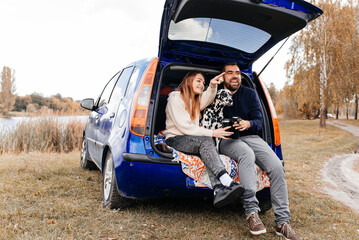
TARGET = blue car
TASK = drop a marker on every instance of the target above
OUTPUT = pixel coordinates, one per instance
(125, 122)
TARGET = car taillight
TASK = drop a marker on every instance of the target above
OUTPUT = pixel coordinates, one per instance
(273, 114)
(141, 99)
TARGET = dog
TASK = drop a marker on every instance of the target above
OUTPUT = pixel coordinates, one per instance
(213, 115)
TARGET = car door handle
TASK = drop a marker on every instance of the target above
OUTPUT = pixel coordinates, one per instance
(112, 115)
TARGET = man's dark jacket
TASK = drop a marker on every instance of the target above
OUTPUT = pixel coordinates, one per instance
(246, 106)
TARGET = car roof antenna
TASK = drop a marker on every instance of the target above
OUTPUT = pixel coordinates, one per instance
(273, 56)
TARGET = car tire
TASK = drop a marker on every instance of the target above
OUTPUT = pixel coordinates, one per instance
(110, 195)
(265, 201)
(265, 205)
(85, 161)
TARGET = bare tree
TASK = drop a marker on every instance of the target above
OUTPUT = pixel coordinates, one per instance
(323, 62)
(355, 55)
(347, 67)
(7, 93)
(311, 63)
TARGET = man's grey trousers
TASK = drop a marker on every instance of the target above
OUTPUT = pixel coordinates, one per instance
(251, 149)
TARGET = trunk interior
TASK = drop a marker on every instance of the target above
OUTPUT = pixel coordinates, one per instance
(171, 77)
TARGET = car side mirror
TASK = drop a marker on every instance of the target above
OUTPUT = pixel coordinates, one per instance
(87, 103)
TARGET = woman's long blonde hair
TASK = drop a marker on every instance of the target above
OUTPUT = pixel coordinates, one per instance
(188, 95)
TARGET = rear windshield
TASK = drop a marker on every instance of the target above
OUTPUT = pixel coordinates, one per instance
(231, 34)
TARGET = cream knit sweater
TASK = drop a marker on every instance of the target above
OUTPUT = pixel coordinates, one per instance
(178, 120)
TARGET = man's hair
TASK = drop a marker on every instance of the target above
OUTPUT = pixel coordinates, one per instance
(229, 64)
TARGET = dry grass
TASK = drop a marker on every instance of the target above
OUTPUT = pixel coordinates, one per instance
(354, 123)
(351, 121)
(43, 135)
(306, 148)
(48, 196)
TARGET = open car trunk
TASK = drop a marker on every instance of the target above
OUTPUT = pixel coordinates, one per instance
(171, 77)
(202, 35)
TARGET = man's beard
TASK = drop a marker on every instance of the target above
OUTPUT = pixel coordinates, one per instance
(230, 87)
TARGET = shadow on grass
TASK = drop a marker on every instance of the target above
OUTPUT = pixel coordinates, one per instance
(187, 205)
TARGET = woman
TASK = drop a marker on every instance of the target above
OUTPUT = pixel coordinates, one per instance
(184, 134)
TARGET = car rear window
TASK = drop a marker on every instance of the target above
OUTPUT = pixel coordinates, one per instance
(227, 33)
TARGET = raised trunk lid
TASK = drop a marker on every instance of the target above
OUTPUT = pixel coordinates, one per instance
(217, 31)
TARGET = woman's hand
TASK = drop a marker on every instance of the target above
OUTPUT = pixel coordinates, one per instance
(216, 80)
(242, 125)
(221, 133)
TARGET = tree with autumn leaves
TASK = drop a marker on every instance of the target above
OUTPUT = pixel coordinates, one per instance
(324, 67)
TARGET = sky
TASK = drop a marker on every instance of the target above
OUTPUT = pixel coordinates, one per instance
(73, 47)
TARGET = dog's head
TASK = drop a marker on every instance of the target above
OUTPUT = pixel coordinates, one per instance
(224, 98)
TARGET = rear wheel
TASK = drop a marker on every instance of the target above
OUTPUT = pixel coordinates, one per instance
(265, 205)
(265, 201)
(86, 162)
(110, 195)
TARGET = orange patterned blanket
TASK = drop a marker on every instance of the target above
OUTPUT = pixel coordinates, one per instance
(194, 167)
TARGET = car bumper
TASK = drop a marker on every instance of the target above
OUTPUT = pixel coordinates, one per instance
(133, 157)
(143, 177)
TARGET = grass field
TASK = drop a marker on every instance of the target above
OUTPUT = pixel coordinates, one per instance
(43, 135)
(48, 196)
(351, 121)
(354, 123)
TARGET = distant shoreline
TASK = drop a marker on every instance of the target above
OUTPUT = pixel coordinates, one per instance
(41, 114)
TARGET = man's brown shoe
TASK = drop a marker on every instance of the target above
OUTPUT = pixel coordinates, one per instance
(287, 232)
(256, 226)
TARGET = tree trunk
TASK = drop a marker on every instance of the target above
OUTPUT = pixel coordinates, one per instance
(337, 112)
(323, 78)
(356, 107)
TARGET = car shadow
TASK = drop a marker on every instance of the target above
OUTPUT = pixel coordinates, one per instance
(183, 205)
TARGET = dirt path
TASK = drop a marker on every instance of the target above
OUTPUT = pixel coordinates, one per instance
(338, 172)
(347, 127)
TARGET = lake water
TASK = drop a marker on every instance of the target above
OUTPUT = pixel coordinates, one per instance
(8, 124)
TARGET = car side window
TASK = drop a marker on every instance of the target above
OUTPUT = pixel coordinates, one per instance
(106, 93)
(121, 85)
(132, 83)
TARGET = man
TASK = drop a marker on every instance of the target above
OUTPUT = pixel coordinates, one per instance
(248, 149)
